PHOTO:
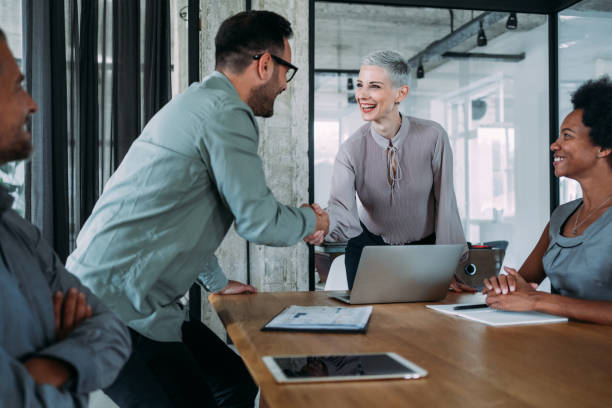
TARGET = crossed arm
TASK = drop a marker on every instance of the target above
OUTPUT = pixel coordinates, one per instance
(517, 292)
(68, 311)
(87, 347)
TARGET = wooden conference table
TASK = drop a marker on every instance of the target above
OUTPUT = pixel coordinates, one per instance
(469, 364)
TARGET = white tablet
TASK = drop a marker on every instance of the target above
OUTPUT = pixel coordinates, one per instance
(347, 367)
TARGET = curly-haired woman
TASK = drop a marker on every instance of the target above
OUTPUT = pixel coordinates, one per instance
(574, 250)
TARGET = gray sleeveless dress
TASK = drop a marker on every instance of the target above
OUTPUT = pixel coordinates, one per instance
(580, 267)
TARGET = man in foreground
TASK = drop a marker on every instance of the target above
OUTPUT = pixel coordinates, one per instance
(57, 341)
(192, 172)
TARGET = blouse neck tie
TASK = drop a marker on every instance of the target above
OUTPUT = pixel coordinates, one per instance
(394, 170)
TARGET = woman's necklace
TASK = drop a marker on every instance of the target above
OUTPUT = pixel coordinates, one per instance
(577, 224)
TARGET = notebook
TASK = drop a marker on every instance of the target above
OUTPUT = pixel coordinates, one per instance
(495, 317)
(321, 319)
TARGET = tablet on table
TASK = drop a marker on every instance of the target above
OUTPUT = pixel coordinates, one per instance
(346, 367)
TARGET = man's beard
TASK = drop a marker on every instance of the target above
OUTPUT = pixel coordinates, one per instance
(19, 152)
(19, 147)
(262, 99)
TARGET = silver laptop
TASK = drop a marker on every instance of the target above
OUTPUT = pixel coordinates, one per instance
(408, 273)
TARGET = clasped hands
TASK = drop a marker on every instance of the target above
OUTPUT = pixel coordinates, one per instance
(321, 227)
(510, 292)
(69, 311)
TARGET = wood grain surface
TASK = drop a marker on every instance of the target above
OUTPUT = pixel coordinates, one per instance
(469, 364)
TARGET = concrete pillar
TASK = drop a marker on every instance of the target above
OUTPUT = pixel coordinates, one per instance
(178, 45)
(284, 149)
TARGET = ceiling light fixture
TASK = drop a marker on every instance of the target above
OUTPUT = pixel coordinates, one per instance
(420, 71)
(481, 40)
(512, 22)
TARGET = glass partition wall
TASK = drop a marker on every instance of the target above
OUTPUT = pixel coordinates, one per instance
(492, 100)
(585, 35)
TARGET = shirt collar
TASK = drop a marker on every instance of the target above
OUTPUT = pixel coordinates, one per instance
(399, 137)
(6, 201)
(227, 84)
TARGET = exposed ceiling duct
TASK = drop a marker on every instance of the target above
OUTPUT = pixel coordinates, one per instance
(345, 33)
(434, 51)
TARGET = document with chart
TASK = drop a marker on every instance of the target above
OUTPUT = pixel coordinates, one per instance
(493, 317)
(321, 318)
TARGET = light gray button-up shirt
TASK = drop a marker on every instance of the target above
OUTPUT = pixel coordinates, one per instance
(30, 273)
(192, 172)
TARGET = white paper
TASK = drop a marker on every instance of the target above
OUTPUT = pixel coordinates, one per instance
(494, 317)
(322, 318)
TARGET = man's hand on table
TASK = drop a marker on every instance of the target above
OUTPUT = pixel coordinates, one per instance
(234, 287)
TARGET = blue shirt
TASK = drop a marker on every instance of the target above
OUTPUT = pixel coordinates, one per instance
(30, 273)
(192, 172)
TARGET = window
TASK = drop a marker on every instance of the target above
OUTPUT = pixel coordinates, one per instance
(12, 174)
(495, 110)
(585, 30)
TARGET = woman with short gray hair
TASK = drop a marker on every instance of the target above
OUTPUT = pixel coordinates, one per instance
(400, 167)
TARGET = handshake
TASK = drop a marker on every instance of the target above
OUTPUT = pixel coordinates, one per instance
(321, 228)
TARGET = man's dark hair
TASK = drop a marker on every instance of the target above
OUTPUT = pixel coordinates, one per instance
(246, 34)
(594, 97)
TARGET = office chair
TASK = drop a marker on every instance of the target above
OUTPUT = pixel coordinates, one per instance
(497, 244)
(336, 279)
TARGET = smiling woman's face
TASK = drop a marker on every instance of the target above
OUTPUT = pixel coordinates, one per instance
(574, 152)
(375, 94)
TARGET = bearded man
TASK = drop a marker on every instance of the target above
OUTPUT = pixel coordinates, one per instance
(58, 342)
(192, 172)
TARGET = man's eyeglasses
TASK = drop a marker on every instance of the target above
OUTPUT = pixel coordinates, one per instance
(291, 69)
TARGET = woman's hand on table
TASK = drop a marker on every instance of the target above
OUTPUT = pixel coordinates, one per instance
(506, 284)
(460, 287)
(517, 301)
(510, 292)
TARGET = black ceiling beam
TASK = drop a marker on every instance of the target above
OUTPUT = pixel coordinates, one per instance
(487, 56)
(518, 6)
(336, 71)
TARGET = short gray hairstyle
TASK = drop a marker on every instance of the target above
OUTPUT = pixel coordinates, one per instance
(393, 63)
